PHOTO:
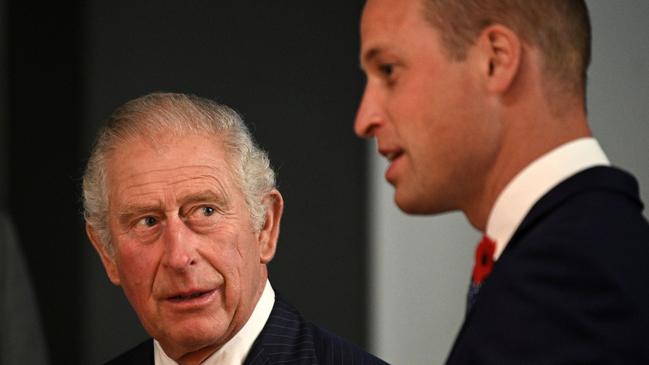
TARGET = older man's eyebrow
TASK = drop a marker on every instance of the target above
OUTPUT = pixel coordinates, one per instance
(126, 214)
(203, 196)
(129, 211)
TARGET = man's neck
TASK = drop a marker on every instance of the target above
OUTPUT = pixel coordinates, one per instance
(526, 138)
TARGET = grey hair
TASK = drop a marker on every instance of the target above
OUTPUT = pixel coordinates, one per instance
(178, 115)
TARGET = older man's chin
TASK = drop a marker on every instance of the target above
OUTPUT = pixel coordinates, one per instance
(193, 346)
(194, 357)
(194, 334)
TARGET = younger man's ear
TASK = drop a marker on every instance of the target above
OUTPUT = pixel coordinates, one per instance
(107, 258)
(269, 233)
(500, 51)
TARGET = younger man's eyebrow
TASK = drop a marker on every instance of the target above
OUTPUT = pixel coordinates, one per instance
(369, 56)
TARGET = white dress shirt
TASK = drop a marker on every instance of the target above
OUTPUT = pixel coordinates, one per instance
(534, 181)
(234, 352)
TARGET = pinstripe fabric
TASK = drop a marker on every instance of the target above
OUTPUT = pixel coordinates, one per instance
(286, 339)
(142, 354)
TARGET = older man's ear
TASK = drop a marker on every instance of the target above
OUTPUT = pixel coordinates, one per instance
(269, 233)
(106, 258)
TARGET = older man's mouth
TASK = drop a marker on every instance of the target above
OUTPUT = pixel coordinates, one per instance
(189, 296)
(192, 298)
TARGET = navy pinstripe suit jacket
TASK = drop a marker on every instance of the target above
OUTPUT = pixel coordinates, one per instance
(286, 339)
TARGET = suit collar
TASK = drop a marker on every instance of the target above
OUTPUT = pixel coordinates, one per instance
(596, 178)
(284, 339)
(534, 181)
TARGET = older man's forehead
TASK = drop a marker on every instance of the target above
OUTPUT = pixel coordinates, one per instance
(178, 176)
(180, 181)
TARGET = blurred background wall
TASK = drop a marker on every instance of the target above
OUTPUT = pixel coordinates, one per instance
(290, 68)
(347, 258)
(3, 112)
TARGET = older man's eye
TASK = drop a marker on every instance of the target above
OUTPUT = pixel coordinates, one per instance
(208, 211)
(203, 216)
(148, 221)
(146, 229)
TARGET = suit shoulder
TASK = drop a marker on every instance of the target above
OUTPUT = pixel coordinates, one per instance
(141, 354)
(333, 349)
(288, 338)
(330, 348)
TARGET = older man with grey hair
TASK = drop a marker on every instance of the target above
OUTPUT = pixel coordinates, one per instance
(181, 206)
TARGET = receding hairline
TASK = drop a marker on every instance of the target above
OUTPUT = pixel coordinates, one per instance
(564, 39)
(157, 140)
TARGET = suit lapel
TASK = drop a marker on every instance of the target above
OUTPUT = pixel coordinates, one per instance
(283, 339)
(596, 178)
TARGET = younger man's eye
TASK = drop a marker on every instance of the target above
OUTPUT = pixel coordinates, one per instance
(386, 69)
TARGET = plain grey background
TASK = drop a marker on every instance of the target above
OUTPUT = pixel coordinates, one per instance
(421, 265)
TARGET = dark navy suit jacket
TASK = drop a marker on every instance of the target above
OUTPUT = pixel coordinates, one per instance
(285, 339)
(572, 286)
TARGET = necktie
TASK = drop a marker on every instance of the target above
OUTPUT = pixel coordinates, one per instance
(484, 262)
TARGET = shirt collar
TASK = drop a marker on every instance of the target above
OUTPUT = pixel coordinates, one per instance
(534, 181)
(236, 349)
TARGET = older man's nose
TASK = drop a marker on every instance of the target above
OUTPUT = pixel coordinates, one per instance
(180, 250)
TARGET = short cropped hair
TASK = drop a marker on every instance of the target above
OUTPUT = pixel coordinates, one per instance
(174, 114)
(560, 29)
